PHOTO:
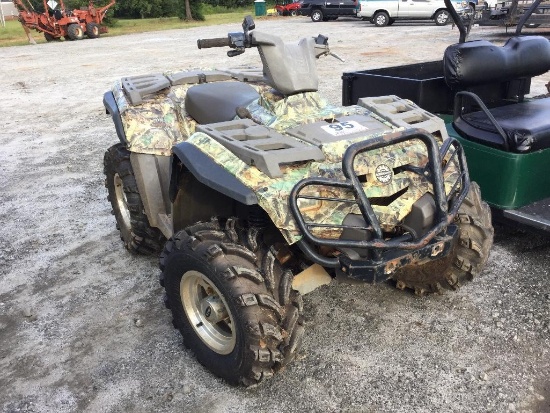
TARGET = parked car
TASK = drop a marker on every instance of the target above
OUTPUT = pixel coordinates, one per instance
(322, 10)
(386, 12)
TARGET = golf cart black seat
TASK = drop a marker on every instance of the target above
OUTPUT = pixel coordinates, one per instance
(521, 126)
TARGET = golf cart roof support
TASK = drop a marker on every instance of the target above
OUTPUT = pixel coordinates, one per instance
(457, 20)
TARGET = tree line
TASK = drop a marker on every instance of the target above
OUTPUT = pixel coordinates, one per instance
(141, 9)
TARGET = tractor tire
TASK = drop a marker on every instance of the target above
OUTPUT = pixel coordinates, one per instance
(381, 19)
(317, 15)
(234, 307)
(442, 18)
(92, 30)
(467, 258)
(74, 32)
(293, 13)
(136, 233)
(50, 38)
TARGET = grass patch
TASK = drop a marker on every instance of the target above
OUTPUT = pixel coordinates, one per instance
(14, 35)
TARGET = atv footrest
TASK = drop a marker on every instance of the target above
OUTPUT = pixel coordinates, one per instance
(260, 146)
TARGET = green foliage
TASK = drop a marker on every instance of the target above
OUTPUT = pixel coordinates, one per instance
(196, 11)
(146, 8)
(230, 4)
(142, 9)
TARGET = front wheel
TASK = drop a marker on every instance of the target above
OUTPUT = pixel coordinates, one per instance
(136, 233)
(317, 15)
(381, 19)
(50, 38)
(293, 13)
(467, 258)
(234, 307)
(441, 18)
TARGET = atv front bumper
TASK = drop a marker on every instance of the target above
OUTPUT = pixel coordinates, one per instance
(377, 254)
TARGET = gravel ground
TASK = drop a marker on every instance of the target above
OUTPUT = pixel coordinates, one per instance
(82, 324)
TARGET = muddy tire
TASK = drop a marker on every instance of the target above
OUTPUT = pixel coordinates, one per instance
(466, 260)
(234, 307)
(75, 32)
(136, 233)
(92, 30)
(50, 38)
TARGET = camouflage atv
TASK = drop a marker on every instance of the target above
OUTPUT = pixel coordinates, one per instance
(258, 191)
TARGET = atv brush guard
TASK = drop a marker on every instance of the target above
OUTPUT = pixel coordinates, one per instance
(388, 254)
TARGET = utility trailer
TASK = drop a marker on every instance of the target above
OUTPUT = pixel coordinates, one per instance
(479, 90)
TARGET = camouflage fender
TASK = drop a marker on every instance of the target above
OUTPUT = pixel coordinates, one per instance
(273, 194)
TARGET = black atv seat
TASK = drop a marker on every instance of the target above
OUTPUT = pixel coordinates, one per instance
(218, 101)
(526, 125)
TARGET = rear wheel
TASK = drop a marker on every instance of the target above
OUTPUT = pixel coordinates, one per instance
(234, 307)
(136, 233)
(75, 32)
(317, 15)
(466, 260)
(92, 30)
(293, 13)
(381, 19)
(441, 17)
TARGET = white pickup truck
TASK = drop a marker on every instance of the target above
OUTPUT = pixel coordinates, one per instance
(385, 12)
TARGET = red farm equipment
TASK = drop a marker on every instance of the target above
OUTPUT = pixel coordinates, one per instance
(287, 7)
(57, 22)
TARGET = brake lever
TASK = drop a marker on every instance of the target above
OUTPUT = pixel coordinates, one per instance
(233, 53)
(336, 56)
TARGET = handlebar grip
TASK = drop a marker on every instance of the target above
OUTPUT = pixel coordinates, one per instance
(215, 42)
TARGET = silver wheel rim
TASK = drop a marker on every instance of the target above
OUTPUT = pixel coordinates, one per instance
(381, 20)
(122, 202)
(441, 18)
(207, 311)
(316, 16)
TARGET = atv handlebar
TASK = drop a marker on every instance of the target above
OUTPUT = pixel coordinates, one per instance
(215, 42)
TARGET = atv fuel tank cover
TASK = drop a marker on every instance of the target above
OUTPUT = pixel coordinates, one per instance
(338, 129)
